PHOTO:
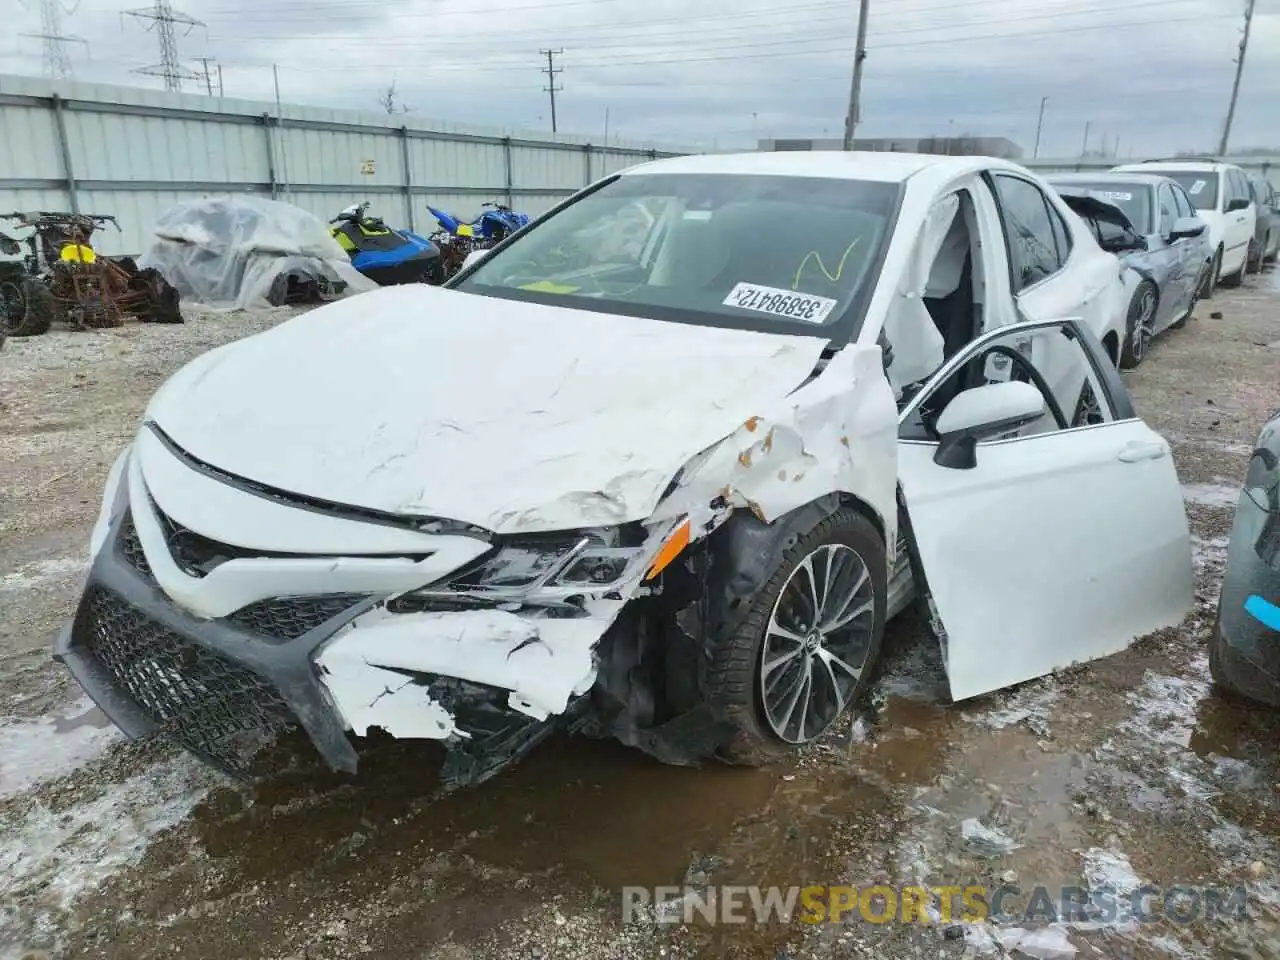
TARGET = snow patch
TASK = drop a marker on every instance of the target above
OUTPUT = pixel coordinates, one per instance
(1109, 869)
(1166, 706)
(986, 841)
(1211, 494)
(49, 858)
(44, 571)
(52, 746)
(1029, 706)
(1043, 943)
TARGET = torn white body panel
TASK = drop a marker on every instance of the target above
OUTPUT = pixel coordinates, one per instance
(513, 416)
(543, 662)
(837, 433)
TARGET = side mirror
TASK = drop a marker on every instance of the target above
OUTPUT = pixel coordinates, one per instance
(1238, 203)
(475, 256)
(1186, 227)
(981, 413)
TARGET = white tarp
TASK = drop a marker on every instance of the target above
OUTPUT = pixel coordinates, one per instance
(226, 252)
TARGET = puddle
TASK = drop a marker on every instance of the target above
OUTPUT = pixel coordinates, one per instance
(52, 746)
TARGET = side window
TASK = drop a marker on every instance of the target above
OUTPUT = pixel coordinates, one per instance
(1029, 232)
(1048, 358)
(1239, 188)
(1061, 234)
(1183, 202)
(1168, 210)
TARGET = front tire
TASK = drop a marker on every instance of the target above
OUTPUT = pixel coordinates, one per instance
(807, 646)
(26, 307)
(1253, 259)
(1139, 326)
(1213, 276)
(1237, 278)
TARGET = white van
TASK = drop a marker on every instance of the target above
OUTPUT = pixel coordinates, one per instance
(1220, 192)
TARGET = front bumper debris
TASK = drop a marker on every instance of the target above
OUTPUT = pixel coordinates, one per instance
(216, 687)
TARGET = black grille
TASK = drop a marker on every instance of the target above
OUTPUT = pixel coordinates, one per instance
(286, 618)
(131, 546)
(206, 702)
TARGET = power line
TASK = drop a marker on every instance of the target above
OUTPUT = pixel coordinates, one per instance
(801, 47)
(678, 28)
(163, 17)
(551, 70)
(1235, 86)
(55, 61)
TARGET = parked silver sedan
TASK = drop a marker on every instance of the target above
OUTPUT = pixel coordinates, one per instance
(1151, 224)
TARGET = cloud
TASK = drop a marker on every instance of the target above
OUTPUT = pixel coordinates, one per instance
(1156, 74)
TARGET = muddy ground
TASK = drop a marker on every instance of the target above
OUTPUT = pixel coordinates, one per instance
(1129, 771)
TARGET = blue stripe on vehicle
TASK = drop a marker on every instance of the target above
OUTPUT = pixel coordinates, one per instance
(1263, 611)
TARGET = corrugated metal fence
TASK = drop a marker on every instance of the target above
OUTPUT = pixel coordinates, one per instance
(132, 152)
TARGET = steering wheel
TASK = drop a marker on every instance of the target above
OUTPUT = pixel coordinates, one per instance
(1024, 366)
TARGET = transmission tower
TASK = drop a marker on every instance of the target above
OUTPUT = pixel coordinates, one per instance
(56, 62)
(163, 17)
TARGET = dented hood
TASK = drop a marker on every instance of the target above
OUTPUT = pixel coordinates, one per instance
(513, 416)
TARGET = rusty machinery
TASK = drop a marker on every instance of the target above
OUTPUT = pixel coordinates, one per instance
(63, 278)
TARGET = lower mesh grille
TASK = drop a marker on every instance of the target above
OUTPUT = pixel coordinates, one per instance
(287, 618)
(131, 546)
(204, 701)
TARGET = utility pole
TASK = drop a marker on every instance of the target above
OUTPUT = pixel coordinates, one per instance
(163, 17)
(219, 79)
(551, 70)
(208, 77)
(855, 85)
(1235, 86)
(1035, 152)
(55, 61)
(1084, 146)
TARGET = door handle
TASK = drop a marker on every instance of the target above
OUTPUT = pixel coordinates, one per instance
(1137, 451)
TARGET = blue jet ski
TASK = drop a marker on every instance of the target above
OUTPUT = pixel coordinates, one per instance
(386, 256)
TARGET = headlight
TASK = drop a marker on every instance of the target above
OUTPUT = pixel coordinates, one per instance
(550, 569)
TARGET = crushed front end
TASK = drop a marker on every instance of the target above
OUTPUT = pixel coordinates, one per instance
(336, 620)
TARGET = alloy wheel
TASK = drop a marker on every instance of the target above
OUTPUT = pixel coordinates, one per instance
(817, 642)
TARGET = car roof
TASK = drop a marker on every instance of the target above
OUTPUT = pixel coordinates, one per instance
(835, 164)
(1107, 176)
(1191, 166)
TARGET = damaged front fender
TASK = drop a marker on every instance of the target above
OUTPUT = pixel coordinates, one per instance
(835, 434)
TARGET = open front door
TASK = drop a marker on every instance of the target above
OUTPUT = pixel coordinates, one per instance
(1041, 545)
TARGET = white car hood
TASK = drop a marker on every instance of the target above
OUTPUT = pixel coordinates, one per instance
(516, 417)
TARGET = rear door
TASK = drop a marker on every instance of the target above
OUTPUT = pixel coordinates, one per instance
(1060, 545)
(1057, 271)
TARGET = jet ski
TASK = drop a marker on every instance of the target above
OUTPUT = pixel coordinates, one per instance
(384, 255)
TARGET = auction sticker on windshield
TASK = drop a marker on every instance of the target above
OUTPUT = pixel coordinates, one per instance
(1113, 195)
(780, 303)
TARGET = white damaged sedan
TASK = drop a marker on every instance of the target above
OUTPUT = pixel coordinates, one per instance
(668, 489)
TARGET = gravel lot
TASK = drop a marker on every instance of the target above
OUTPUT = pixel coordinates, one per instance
(1127, 771)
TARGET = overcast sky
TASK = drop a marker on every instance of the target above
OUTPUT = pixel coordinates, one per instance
(1154, 73)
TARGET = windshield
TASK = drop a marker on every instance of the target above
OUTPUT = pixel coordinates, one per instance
(1133, 198)
(784, 254)
(1201, 187)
